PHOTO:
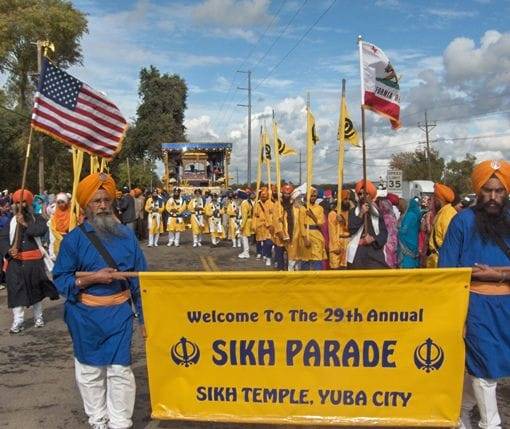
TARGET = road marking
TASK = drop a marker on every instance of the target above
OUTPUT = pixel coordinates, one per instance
(212, 264)
(205, 264)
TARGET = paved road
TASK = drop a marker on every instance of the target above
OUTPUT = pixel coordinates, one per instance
(37, 388)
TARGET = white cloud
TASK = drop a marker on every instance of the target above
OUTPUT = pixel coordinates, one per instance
(231, 13)
(451, 13)
(200, 130)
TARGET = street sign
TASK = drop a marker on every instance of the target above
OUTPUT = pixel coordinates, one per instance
(394, 182)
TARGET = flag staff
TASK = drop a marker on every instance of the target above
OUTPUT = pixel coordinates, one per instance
(360, 39)
(277, 159)
(341, 149)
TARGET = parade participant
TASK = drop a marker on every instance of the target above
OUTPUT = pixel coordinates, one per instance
(154, 207)
(25, 274)
(234, 220)
(214, 212)
(98, 308)
(139, 212)
(127, 210)
(60, 222)
(196, 208)
(262, 215)
(283, 227)
(367, 229)
(246, 223)
(479, 237)
(443, 197)
(295, 246)
(427, 221)
(5, 220)
(175, 207)
(339, 233)
(395, 201)
(391, 223)
(314, 249)
(408, 255)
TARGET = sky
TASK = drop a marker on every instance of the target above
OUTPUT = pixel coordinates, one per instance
(453, 59)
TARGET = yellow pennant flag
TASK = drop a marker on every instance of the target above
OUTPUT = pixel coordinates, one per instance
(311, 140)
(311, 131)
(284, 149)
(350, 133)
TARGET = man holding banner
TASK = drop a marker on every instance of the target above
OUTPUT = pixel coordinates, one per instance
(478, 237)
(98, 308)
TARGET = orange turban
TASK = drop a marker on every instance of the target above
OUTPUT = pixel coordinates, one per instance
(287, 189)
(371, 190)
(91, 184)
(345, 194)
(486, 169)
(444, 193)
(264, 192)
(28, 197)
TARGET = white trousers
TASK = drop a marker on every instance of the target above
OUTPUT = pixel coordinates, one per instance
(153, 239)
(18, 313)
(481, 392)
(293, 265)
(246, 245)
(174, 237)
(108, 394)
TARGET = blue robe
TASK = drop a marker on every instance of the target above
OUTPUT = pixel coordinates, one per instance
(101, 335)
(408, 232)
(488, 321)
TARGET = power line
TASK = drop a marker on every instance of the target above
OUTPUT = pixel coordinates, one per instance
(232, 82)
(280, 35)
(296, 44)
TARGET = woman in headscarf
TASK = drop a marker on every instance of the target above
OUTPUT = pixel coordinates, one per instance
(408, 254)
(390, 220)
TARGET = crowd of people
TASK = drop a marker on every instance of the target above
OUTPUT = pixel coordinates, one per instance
(89, 265)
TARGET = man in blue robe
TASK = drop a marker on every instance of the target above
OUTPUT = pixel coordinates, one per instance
(479, 237)
(99, 306)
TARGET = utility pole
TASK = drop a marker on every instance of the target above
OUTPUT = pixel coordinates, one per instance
(39, 45)
(249, 121)
(237, 176)
(300, 162)
(427, 126)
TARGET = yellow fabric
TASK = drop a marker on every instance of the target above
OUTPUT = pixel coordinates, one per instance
(59, 232)
(196, 227)
(263, 220)
(439, 229)
(232, 212)
(296, 243)
(77, 157)
(338, 239)
(280, 225)
(89, 186)
(349, 131)
(246, 218)
(401, 324)
(486, 169)
(175, 209)
(317, 249)
(155, 224)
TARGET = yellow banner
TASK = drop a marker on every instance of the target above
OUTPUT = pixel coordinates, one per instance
(380, 347)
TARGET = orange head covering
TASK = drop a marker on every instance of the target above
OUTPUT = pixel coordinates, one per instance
(444, 193)
(486, 169)
(371, 190)
(27, 196)
(91, 184)
(345, 194)
(264, 192)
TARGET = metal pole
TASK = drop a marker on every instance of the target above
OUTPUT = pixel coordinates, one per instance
(427, 126)
(39, 45)
(248, 170)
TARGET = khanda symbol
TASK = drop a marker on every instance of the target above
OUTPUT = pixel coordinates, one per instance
(428, 356)
(267, 151)
(349, 130)
(315, 137)
(184, 352)
(281, 146)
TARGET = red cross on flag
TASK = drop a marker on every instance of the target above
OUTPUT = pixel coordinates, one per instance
(380, 90)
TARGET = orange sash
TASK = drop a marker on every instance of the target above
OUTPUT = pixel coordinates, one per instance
(104, 301)
(490, 288)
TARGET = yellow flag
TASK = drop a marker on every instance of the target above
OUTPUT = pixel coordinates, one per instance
(284, 149)
(350, 133)
(312, 136)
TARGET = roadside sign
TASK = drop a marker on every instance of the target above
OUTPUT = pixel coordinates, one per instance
(394, 182)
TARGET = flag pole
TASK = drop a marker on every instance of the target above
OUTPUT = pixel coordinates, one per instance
(360, 47)
(268, 162)
(309, 162)
(277, 159)
(341, 149)
(259, 167)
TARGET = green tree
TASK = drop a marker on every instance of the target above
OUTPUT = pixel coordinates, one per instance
(414, 165)
(458, 174)
(160, 116)
(23, 22)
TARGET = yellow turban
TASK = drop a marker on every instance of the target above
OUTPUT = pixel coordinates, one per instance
(90, 185)
(444, 193)
(486, 169)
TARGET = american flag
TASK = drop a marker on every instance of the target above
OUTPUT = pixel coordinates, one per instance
(73, 113)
